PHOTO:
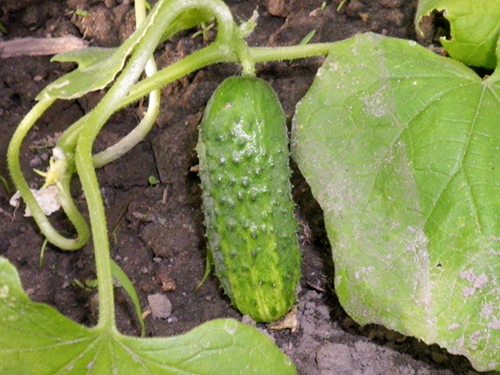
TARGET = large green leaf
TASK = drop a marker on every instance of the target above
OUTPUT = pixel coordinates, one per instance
(401, 148)
(37, 340)
(475, 27)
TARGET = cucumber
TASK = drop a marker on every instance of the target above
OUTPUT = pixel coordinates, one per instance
(249, 212)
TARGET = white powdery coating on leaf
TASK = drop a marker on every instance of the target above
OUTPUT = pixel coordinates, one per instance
(334, 66)
(468, 276)
(468, 291)
(454, 327)
(376, 104)
(418, 246)
(486, 311)
(477, 282)
(475, 339)
(495, 324)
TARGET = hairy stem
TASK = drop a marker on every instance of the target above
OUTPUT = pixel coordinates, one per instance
(141, 131)
(213, 56)
(243, 53)
(22, 185)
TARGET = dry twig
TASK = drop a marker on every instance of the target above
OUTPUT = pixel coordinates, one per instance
(40, 46)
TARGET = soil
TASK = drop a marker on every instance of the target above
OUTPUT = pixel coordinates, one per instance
(157, 231)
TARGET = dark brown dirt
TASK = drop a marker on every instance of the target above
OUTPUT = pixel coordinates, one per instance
(157, 232)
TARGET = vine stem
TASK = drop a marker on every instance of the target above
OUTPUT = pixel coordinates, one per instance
(140, 131)
(166, 13)
(246, 61)
(213, 54)
(64, 187)
(210, 56)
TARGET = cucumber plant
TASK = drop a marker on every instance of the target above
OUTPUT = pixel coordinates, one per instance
(410, 203)
(55, 344)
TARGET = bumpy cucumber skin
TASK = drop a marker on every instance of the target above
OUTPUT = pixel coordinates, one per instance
(249, 212)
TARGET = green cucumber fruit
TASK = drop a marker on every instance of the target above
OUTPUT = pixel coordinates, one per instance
(249, 212)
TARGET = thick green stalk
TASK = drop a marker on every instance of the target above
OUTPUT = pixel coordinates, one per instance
(242, 51)
(270, 54)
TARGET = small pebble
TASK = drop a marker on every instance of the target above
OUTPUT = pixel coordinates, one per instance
(167, 283)
(354, 6)
(439, 357)
(35, 162)
(248, 321)
(347, 323)
(394, 336)
(160, 305)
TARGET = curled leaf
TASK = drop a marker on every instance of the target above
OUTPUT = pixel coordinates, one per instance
(474, 28)
(97, 67)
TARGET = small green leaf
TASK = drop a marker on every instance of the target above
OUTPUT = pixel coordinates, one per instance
(85, 58)
(91, 283)
(125, 282)
(3, 29)
(35, 339)
(475, 28)
(401, 149)
(153, 181)
(97, 67)
(82, 13)
(307, 39)
(186, 21)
